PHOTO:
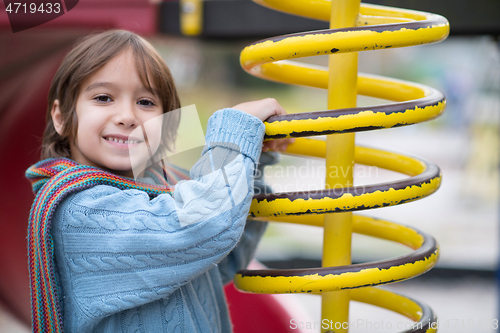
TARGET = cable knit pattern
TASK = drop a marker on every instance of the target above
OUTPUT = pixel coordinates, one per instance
(128, 263)
(244, 131)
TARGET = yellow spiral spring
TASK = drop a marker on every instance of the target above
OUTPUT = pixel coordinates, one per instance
(353, 27)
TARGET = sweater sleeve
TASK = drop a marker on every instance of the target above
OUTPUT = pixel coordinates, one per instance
(243, 253)
(117, 249)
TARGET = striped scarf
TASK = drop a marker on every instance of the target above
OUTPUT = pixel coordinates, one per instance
(52, 180)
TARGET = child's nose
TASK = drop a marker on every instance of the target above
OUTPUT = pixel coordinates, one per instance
(126, 116)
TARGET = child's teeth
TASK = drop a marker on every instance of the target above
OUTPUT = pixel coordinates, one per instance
(123, 141)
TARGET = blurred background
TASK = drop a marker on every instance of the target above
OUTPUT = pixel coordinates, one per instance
(463, 215)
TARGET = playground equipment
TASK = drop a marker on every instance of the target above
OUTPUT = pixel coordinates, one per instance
(353, 27)
(34, 55)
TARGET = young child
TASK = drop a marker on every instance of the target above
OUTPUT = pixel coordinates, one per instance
(109, 254)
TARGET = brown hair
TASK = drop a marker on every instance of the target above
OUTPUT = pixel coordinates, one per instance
(84, 59)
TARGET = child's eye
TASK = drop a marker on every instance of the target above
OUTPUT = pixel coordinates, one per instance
(102, 98)
(146, 102)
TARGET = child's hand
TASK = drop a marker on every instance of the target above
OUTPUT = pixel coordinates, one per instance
(264, 109)
(261, 109)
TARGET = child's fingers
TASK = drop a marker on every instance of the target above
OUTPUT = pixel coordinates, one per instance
(280, 110)
(273, 108)
(272, 144)
(283, 144)
(278, 145)
(262, 109)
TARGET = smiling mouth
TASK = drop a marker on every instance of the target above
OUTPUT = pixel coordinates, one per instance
(117, 140)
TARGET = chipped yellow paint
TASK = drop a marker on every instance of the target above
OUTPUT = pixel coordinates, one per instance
(315, 283)
(352, 121)
(270, 60)
(346, 202)
(340, 42)
(337, 228)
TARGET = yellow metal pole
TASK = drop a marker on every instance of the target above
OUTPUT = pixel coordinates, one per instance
(342, 91)
(191, 17)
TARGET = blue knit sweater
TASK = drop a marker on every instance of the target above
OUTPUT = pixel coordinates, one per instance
(126, 263)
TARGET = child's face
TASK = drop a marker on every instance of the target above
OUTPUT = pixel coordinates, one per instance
(111, 104)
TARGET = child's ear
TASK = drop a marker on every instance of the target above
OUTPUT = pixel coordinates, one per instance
(57, 117)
